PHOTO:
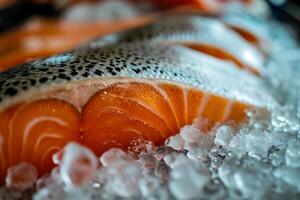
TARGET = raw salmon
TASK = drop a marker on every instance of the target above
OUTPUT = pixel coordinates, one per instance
(205, 6)
(44, 37)
(203, 34)
(112, 96)
(33, 132)
(248, 27)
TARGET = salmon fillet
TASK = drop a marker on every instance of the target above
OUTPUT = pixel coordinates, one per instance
(203, 34)
(109, 97)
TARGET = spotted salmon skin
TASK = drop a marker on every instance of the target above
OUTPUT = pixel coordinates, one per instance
(202, 34)
(109, 97)
(247, 26)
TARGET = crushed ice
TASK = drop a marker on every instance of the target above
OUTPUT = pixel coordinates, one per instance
(260, 160)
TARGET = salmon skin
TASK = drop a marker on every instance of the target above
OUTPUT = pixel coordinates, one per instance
(203, 34)
(249, 27)
(88, 64)
(110, 97)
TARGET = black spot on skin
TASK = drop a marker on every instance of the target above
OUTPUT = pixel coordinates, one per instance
(32, 82)
(63, 76)
(109, 69)
(11, 76)
(43, 69)
(90, 66)
(11, 91)
(15, 83)
(85, 74)
(25, 73)
(136, 70)
(98, 72)
(43, 80)
(74, 73)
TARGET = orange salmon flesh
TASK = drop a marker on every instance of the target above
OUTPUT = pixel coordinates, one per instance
(42, 38)
(221, 54)
(114, 115)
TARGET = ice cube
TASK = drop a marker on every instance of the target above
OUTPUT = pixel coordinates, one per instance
(183, 188)
(78, 194)
(216, 157)
(215, 190)
(21, 176)
(190, 134)
(261, 165)
(176, 142)
(292, 154)
(257, 144)
(276, 157)
(238, 144)
(282, 120)
(188, 182)
(174, 159)
(289, 175)
(123, 179)
(200, 147)
(251, 183)
(78, 165)
(149, 186)
(51, 192)
(224, 134)
(226, 172)
(113, 155)
(278, 139)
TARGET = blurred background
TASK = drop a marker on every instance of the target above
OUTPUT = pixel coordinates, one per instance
(37, 28)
